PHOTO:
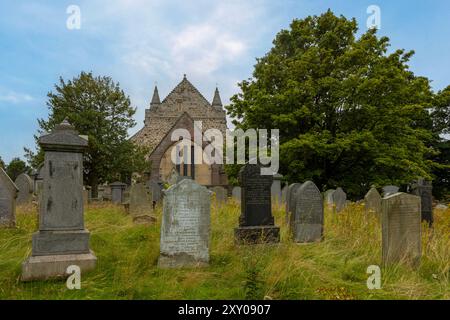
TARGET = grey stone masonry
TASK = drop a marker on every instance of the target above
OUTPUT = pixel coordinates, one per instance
(61, 221)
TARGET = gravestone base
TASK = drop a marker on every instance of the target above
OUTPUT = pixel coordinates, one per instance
(257, 234)
(55, 266)
(46, 243)
(144, 219)
(180, 260)
(305, 233)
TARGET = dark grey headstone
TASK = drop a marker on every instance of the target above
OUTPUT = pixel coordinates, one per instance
(339, 199)
(401, 229)
(290, 203)
(423, 189)
(185, 226)
(141, 204)
(307, 219)
(8, 195)
(25, 185)
(156, 190)
(256, 223)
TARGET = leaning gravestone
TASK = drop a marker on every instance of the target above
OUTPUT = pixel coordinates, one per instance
(221, 194)
(388, 190)
(118, 192)
(236, 193)
(372, 201)
(307, 219)
(25, 185)
(141, 204)
(8, 195)
(276, 188)
(256, 223)
(185, 226)
(62, 239)
(339, 199)
(401, 234)
(290, 203)
(423, 189)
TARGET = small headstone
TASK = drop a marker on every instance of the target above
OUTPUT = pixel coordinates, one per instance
(372, 201)
(156, 190)
(441, 206)
(85, 196)
(423, 189)
(221, 194)
(290, 204)
(8, 195)
(236, 193)
(307, 219)
(185, 226)
(62, 239)
(388, 190)
(256, 223)
(328, 197)
(141, 204)
(275, 190)
(401, 229)
(117, 192)
(339, 199)
(25, 185)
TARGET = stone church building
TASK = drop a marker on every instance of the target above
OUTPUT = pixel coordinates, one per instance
(182, 106)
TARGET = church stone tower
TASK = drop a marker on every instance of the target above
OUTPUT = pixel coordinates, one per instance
(182, 106)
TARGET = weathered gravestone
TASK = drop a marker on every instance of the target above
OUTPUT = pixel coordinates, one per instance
(25, 185)
(8, 195)
(221, 194)
(388, 190)
(141, 204)
(290, 203)
(328, 197)
(185, 226)
(307, 219)
(372, 201)
(256, 223)
(118, 192)
(339, 199)
(236, 192)
(173, 177)
(62, 239)
(401, 229)
(37, 177)
(423, 189)
(275, 190)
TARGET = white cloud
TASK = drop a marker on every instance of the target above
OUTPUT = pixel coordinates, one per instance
(14, 97)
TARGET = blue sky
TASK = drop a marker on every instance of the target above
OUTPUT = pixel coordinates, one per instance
(139, 42)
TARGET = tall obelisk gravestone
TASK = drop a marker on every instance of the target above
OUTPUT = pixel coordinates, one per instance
(62, 239)
(256, 223)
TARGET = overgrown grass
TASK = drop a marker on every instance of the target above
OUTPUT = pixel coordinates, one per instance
(332, 269)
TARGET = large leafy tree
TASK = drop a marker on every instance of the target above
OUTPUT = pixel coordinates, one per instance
(16, 167)
(97, 107)
(350, 114)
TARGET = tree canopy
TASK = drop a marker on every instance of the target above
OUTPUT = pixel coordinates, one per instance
(99, 108)
(350, 114)
(16, 167)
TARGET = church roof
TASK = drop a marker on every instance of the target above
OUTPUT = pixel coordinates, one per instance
(185, 90)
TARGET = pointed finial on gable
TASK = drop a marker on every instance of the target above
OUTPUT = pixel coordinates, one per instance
(184, 77)
(155, 98)
(217, 102)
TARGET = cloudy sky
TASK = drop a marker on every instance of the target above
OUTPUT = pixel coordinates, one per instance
(141, 42)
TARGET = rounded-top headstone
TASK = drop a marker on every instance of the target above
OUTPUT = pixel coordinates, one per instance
(372, 201)
(25, 185)
(339, 199)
